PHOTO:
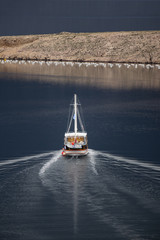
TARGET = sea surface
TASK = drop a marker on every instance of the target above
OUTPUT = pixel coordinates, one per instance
(114, 191)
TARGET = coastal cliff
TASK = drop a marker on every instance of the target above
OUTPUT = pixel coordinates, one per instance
(133, 47)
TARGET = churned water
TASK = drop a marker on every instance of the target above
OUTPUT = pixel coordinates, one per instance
(114, 191)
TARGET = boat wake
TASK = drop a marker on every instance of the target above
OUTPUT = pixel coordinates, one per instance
(114, 192)
(46, 166)
(107, 185)
(17, 161)
(92, 157)
(131, 161)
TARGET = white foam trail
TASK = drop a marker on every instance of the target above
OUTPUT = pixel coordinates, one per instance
(26, 158)
(124, 229)
(56, 155)
(92, 155)
(126, 160)
(130, 161)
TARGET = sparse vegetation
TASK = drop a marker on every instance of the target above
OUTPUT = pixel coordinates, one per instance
(142, 47)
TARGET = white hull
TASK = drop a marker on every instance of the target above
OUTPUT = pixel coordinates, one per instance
(75, 152)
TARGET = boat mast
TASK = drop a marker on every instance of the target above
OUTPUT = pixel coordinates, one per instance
(75, 114)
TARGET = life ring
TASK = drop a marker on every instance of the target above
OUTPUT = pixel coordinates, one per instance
(63, 153)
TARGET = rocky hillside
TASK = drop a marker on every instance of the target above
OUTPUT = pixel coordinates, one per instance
(142, 47)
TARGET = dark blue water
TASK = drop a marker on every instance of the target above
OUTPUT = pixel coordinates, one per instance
(114, 192)
(52, 16)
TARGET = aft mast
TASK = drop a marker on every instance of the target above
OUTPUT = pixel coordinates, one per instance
(75, 114)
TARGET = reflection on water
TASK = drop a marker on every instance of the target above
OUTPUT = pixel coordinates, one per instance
(113, 76)
(69, 176)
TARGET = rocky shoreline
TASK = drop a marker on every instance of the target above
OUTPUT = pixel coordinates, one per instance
(108, 47)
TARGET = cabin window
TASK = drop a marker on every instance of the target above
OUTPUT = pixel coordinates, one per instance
(77, 139)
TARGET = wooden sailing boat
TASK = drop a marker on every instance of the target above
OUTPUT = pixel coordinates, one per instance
(75, 141)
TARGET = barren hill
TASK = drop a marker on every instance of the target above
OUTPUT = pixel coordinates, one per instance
(142, 47)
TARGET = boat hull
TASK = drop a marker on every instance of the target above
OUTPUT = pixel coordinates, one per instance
(75, 152)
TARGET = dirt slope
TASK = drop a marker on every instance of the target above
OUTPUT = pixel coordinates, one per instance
(142, 47)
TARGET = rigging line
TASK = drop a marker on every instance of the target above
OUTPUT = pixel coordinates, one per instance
(69, 116)
(70, 121)
(80, 121)
(82, 117)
